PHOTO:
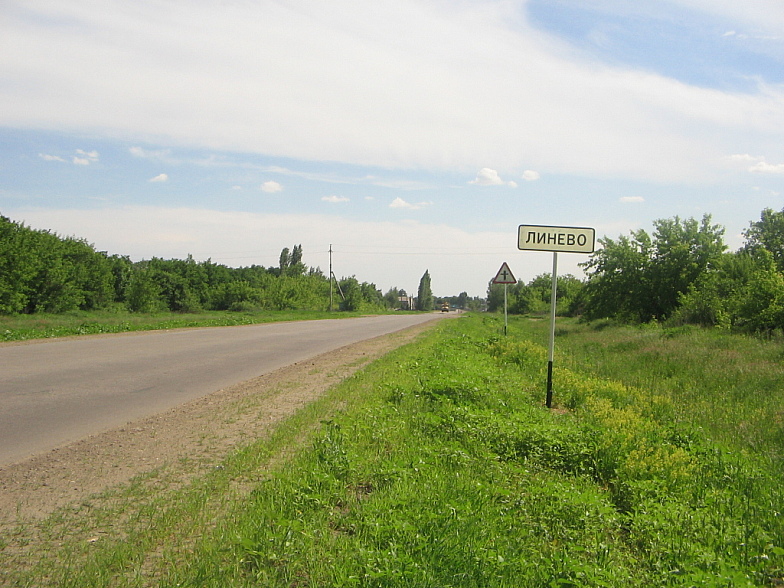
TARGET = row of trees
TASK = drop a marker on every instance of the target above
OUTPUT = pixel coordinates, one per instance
(462, 301)
(642, 277)
(534, 297)
(681, 273)
(425, 300)
(42, 272)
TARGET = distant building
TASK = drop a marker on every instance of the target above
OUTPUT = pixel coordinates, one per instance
(405, 302)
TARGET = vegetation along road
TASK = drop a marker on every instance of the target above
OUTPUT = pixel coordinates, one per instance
(59, 391)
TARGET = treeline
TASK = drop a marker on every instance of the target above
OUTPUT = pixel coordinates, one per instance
(43, 272)
(462, 301)
(682, 273)
(534, 297)
(398, 298)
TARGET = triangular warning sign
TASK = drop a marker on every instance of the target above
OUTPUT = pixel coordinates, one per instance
(504, 276)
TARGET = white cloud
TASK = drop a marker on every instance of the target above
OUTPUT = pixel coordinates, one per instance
(91, 155)
(85, 157)
(767, 168)
(629, 199)
(490, 177)
(530, 175)
(487, 177)
(761, 166)
(47, 157)
(400, 203)
(271, 187)
(405, 101)
(335, 199)
(160, 178)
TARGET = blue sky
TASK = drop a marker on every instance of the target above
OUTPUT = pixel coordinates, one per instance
(410, 135)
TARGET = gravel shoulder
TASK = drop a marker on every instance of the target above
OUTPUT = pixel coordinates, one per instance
(201, 432)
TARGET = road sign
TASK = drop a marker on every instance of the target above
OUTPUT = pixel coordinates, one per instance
(557, 239)
(504, 276)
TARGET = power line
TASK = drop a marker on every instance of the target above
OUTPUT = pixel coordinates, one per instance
(429, 251)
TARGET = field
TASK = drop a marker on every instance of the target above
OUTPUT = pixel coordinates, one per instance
(21, 327)
(438, 465)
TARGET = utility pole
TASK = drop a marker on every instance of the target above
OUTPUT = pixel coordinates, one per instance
(330, 277)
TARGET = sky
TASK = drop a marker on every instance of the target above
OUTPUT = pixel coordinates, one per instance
(404, 136)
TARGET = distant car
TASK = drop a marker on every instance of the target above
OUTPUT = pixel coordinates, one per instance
(445, 307)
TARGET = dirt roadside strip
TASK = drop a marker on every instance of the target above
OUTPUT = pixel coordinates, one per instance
(203, 431)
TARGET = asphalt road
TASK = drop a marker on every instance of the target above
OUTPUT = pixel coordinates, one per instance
(58, 391)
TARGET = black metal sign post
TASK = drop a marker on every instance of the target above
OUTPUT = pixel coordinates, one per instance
(555, 239)
(506, 314)
(551, 352)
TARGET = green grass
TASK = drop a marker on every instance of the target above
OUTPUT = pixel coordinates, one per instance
(439, 466)
(729, 386)
(41, 325)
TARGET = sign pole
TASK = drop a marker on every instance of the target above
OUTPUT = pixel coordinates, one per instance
(505, 277)
(506, 316)
(555, 239)
(553, 297)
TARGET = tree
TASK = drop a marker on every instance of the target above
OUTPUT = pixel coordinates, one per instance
(616, 284)
(90, 273)
(522, 299)
(296, 255)
(767, 233)
(718, 297)
(290, 263)
(642, 278)
(425, 294)
(392, 298)
(761, 302)
(535, 296)
(683, 251)
(143, 294)
(284, 261)
(42, 272)
(237, 295)
(17, 265)
(351, 294)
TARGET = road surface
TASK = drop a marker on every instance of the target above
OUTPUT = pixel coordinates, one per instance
(58, 391)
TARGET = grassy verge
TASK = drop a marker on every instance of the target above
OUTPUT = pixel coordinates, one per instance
(439, 466)
(452, 474)
(41, 325)
(729, 387)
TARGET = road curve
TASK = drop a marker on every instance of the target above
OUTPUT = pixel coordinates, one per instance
(58, 391)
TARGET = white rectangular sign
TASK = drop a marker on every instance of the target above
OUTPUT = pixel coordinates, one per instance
(560, 239)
